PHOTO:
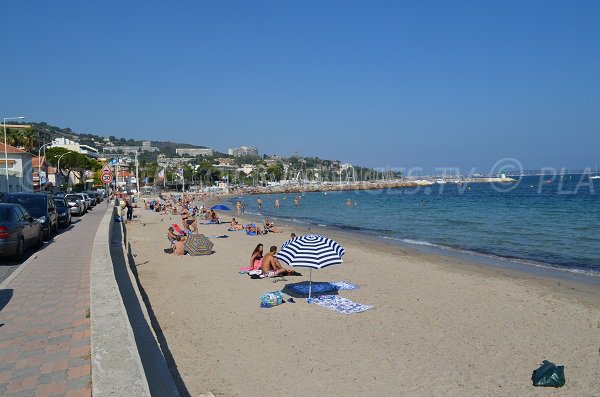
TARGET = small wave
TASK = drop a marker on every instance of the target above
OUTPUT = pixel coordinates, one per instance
(519, 261)
(321, 225)
(409, 241)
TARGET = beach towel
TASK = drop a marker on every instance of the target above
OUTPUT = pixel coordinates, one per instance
(256, 268)
(178, 229)
(339, 304)
(322, 287)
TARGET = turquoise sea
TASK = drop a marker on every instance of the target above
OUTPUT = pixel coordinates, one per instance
(551, 221)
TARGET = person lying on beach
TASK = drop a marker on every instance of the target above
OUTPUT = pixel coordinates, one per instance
(270, 227)
(236, 225)
(271, 266)
(188, 221)
(178, 246)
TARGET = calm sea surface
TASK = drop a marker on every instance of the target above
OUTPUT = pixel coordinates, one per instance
(548, 221)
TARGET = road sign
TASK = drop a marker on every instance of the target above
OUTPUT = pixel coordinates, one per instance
(107, 178)
(106, 169)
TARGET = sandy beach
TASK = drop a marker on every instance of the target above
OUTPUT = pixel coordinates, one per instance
(439, 326)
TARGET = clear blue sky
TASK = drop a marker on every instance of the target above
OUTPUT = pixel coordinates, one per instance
(420, 83)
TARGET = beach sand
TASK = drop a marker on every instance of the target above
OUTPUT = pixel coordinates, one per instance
(439, 326)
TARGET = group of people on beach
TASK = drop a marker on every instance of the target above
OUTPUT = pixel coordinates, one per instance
(267, 265)
(183, 206)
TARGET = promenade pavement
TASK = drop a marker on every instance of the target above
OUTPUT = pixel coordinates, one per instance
(44, 317)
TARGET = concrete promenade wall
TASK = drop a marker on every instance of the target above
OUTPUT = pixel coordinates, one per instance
(126, 357)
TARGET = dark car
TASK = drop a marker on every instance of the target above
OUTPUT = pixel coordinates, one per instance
(64, 211)
(39, 205)
(94, 195)
(18, 230)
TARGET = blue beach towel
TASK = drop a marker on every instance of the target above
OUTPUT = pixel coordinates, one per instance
(339, 304)
(322, 287)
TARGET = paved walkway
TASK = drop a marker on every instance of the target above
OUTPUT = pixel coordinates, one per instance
(44, 317)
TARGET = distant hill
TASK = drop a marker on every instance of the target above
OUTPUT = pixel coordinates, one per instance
(48, 132)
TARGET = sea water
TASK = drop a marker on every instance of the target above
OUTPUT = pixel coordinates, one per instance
(547, 220)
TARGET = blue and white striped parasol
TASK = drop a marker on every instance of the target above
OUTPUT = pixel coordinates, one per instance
(311, 251)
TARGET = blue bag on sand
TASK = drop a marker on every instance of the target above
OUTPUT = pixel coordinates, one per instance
(271, 299)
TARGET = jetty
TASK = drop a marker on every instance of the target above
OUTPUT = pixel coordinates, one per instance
(315, 186)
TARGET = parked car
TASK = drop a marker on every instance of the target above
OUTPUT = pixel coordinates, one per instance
(88, 199)
(39, 205)
(63, 210)
(18, 231)
(94, 195)
(76, 205)
(84, 200)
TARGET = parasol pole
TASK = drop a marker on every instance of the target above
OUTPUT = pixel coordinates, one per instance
(309, 285)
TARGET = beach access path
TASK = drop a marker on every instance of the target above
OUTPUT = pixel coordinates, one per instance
(44, 317)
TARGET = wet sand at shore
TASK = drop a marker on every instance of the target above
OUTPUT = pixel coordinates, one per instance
(440, 326)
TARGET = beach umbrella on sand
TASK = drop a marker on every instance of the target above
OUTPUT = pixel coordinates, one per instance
(312, 251)
(220, 207)
(198, 244)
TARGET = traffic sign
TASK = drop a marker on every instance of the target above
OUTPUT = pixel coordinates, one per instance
(107, 178)
(106, 169)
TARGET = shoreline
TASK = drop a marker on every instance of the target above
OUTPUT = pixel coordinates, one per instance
(585, 286)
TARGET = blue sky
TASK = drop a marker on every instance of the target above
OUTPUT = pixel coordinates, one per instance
(430, 84)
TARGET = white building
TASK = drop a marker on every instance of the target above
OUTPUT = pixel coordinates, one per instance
(245, 151)
(75, 146)
(194, 151)
(19, 169)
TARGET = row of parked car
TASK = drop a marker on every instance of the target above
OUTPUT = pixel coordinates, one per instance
(29, 219)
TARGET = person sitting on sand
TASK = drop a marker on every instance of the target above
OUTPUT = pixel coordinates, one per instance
(178, 246)
(270, 227)
(171, 235)
(272, 268)
(256, 258)
(235, 225)
(188, 221)
(251, 228)
(213, 217)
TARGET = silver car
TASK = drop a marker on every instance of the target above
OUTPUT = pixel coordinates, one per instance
(77, 205)
(18, 231)
(83, 199)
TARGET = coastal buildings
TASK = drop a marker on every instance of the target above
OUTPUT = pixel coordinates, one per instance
(244, 151)
(145, 147)
(194, 151)
(76, 147)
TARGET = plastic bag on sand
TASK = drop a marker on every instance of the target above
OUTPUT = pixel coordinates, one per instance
(549, 374)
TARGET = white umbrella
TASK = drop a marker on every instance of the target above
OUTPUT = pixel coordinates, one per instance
(311, 251)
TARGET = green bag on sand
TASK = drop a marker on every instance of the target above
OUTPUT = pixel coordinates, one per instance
(549, 375)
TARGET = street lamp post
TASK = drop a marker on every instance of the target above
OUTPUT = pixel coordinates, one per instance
(40, 163)
(41, 147)
(5, 149)
(58, 165)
